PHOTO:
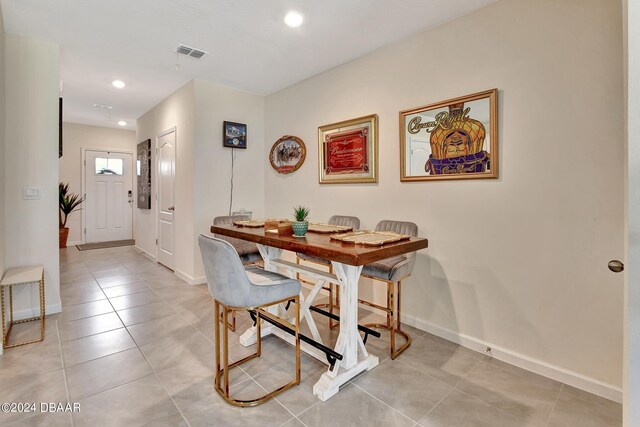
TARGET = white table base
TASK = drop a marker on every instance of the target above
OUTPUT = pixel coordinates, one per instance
(355, 359)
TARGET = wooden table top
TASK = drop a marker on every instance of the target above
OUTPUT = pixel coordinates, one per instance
(321, 245)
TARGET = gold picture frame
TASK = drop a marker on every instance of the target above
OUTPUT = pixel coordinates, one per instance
(348, 151)
(452, 139)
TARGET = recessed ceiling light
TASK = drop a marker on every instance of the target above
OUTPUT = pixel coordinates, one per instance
(293, 19)
(118, 83)
(122, 123)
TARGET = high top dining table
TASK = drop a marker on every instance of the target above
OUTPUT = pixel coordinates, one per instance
(347, 260)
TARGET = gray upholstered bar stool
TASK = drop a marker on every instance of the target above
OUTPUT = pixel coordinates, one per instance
(347, 221)
(248, 251)
(231, 288)
(392, 271)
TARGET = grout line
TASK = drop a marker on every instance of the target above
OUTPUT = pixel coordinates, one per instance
(554, 405)
(64, 371)
(436, 405)
(155, 374)
(381, 401)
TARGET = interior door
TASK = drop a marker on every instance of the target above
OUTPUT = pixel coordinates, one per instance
(166, 146)
(108, 204)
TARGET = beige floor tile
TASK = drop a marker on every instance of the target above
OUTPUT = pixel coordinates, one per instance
(175, 420)
(119, 280)
(214, 411)
(353, 407)
(46, 419)
(300, 397)
(183, 346)
(80, 286)
(81, 311)
(460, 409)
(573, 411)
(195, 309)
(103, 274)
(159, 283)
(156, 329)
(46, 387)
(439, 358)
(132, 288)
(274, 352)
(405, 389)
(28, 331)
(134, 300)
(94, 346)
(589, 397)
(293, 422)
(511, 389)
(175, 295)
(89, 326)
(19, 363)
(143, 313)
(73, 297)
(135, 403)
(98, 375)
(190, 382)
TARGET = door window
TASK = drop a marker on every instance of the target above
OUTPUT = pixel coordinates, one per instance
(106, 166)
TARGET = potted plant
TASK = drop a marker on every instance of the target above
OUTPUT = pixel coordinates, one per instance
(69, 202)
(300, 225)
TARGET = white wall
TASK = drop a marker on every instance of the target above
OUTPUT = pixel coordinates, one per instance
(177, 110)
(31, 159)
(75, 137)
(632, 296)
(212, 166)
(518, 263)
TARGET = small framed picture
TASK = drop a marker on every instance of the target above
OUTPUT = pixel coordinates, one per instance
(348, 151)
(287, 154)
(234, 135)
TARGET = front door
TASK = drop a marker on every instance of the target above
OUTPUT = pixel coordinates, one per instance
(166, 212)
(108, 204)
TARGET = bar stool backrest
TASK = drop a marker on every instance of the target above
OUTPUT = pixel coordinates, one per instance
(400, 227)
(228, 220)
(346, 221)
(226, 277)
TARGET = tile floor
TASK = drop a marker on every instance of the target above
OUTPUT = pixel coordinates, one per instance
(134, 347)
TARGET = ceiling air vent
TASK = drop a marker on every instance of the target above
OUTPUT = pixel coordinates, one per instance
(102, 106)
(190, 51)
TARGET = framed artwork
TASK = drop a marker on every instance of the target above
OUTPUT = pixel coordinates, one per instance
(453, 139)
(143, 172)
(234, 135)
(287, 154)
(348, 151)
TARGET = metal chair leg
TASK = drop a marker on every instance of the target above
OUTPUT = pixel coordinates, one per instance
(222, 375)
(393, 318)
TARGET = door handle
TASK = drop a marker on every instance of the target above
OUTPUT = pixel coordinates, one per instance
(171, 208)
(616, 266)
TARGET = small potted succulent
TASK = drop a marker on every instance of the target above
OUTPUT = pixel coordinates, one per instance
(300, 225)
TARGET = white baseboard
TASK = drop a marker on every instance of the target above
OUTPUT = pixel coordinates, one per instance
(190, 280)
(566, 376)
(145, 253)
(35, 311)
(511, 357)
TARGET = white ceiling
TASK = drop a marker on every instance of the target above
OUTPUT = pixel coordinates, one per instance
(250, 48)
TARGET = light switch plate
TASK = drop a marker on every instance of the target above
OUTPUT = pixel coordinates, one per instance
(31, 193)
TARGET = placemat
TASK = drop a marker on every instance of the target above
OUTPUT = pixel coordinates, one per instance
(317, 227)
(370, 238)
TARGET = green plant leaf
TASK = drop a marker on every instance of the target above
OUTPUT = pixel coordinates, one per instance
(300, 213)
